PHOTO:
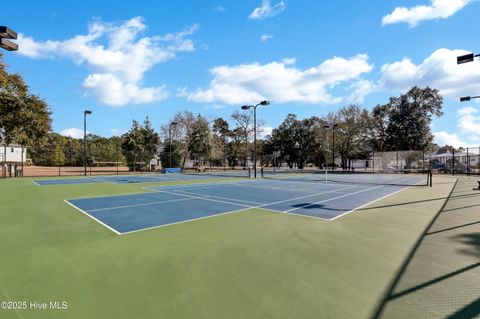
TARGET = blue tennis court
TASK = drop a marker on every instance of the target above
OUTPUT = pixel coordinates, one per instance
(152, 178)
(176, 204)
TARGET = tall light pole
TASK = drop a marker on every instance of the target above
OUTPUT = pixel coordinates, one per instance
(85, 113)
(246, 107)
(170, 142)
(7, 33)
(333, 127)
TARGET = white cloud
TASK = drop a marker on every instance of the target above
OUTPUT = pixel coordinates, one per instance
(214, 106)
(360, 90)
(469, 122)
(264, 131)
(443, 138)
(467, 135)
(118, 131)
(280, 82)
(265, 37)
(115, 53)
(73, 132)
(438, 9)
(111, 91)
(267, 10)
(439, 70)
(220, 9)
(289, 61)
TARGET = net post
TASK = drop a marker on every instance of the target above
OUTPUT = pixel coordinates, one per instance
(249, 172)
(430, 173)
(261, 172)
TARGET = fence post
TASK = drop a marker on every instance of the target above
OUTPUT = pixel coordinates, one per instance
(468, 163)
(397, 159)
(423, 161)
(453, 162)
(373, 161)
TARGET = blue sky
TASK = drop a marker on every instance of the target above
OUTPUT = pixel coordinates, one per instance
(128, 60)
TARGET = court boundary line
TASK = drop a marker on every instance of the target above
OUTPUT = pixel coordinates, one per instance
(220, 197)
(34, 182)
(338, 197)
(301, 197)
(92, 217)
(115, 195)
(237, 210)
(193, 185)
(187, 220)
(151, 190)
(63, 184)
(210, 199)
(371, 202)
(238, 183)
(246, 207)
(138, 205)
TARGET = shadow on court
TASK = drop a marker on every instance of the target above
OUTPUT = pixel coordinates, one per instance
(440, 278)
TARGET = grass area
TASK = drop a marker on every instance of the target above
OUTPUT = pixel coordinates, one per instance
(251, 264)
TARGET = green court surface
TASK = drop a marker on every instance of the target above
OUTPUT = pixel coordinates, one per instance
(250, 264)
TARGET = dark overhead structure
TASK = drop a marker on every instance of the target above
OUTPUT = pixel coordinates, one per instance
(467, 58)
(468, 98)
(5, 34)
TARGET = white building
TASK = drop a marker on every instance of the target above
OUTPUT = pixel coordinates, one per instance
(12, 154)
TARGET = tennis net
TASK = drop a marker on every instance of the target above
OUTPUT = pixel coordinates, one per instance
(220, 172)
(397, 177)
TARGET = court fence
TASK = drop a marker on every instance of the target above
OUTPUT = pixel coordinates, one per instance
(464, 161)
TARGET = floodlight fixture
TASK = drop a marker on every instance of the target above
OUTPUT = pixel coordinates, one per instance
(467, 58)
(468, 98)
(8, 45)
(7, 33)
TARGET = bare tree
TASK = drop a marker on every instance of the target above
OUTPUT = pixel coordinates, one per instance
(244, 128)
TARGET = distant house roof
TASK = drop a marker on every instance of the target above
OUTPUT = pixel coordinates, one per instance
(448, 154)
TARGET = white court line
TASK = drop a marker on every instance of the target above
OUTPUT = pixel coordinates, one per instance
(185, 221)
(116, 195)
(266, 209)
(209, 199)
(35, 183)
(306, 196)
(221, 197)
(330, 199)
(373, 201)
(98, 221)
(242, 209)
(194, 186)
(306, 185)
(199, 196)
(137, 205)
